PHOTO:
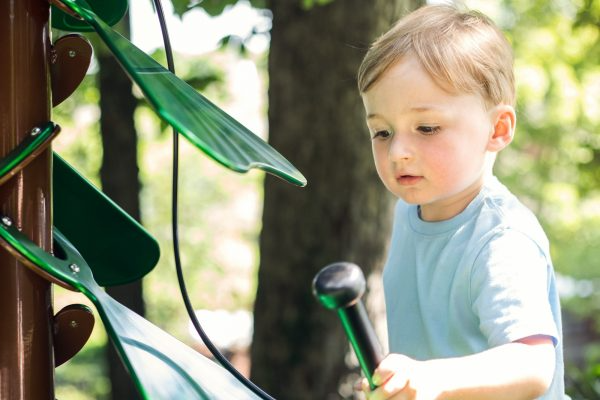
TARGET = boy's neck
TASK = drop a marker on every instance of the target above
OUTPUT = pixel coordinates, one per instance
(447, 209)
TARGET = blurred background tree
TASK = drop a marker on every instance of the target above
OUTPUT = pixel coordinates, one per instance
(315, 119)
(119, 179)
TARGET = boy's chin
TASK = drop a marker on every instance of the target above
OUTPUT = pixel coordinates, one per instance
(409, 200)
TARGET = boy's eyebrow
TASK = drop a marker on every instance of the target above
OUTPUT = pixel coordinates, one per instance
(425, 108)
(419, 108)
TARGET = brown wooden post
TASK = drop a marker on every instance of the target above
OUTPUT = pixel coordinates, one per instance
(26, 356)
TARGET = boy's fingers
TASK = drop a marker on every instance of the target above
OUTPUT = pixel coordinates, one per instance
(394, 364)
(381, 375)
(383, 372)
(360, 383)
(391, 376)
(389, 389)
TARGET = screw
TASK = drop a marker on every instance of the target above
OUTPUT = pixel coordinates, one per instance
(35, 131)
(73, 324)
(72, 53)
(6, 221)
(74, 268)
(53, 55)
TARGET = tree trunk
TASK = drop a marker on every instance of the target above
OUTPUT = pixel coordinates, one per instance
(316, 119)
(119, 177)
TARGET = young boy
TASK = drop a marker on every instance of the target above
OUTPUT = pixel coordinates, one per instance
(472, 307)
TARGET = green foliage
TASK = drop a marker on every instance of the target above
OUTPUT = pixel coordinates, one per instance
(554, 162)
(212, 7)
(211, 231)
(78, 116)
(235, 42)
(217, 7)
(307, 4)
(218, 215)
(584, 384)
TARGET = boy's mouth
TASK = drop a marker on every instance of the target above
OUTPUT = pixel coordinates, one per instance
(408, 180)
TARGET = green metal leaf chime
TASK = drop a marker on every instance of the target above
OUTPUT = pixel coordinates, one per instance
(200, 121)
(160, 365)
(117, 248)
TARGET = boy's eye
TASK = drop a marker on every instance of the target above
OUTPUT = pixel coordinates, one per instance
(382, 134)
(428, 130)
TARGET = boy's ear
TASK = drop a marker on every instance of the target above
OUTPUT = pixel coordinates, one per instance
(504, 120)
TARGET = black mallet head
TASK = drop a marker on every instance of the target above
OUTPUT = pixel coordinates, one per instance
(339, 285)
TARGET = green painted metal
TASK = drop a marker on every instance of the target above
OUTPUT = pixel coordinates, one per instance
(195, 117)
(161, 366)
(17, 157)
(355, 342)
(111, 12)
(118, 248)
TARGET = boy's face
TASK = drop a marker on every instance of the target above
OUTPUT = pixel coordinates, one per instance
(429, 145)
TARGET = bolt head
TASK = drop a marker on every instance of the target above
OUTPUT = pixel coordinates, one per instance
(74, 268)
(72, 53)
(73, 324)
(6, 221)
(35, 131)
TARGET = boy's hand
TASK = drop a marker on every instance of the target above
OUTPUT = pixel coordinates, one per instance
(519, 370)
(399, 377)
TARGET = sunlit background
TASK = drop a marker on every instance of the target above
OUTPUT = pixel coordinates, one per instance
(553, 166)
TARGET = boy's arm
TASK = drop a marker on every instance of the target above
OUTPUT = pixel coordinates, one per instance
(518, 370)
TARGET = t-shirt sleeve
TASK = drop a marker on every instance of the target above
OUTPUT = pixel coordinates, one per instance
(510, 289)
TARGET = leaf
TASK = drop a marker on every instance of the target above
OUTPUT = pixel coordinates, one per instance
(199, 120)
(180, 6)
(308, 4)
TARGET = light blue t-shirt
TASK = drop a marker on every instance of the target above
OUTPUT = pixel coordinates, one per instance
(478, 280)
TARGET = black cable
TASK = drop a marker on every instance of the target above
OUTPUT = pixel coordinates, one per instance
(175, 228)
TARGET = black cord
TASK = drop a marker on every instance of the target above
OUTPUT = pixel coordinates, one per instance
(174, 223)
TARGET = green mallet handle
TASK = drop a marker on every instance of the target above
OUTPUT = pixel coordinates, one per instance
(340, 287)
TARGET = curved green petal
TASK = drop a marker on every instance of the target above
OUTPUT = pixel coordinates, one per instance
(79, 205)
(162, 367)
(111, 12)
(25, 151)
(118, 248)
(195, 117)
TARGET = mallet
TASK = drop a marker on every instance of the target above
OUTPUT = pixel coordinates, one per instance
(339, 287)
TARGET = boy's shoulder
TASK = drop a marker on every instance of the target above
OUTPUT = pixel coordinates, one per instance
(498, 202)
(500, 211)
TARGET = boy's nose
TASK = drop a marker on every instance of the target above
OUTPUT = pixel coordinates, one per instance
(400, 148)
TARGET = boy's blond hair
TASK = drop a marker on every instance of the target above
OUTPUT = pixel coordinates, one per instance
(464, 52)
